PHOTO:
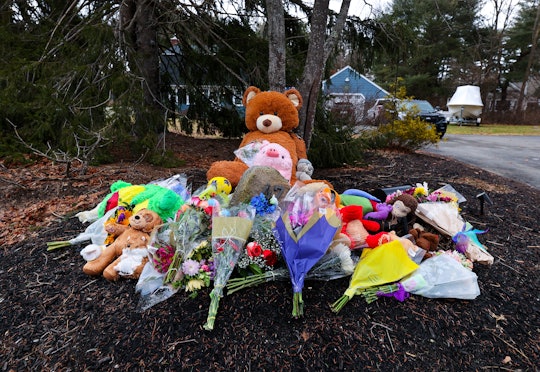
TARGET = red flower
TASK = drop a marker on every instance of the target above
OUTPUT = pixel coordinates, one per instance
(254, 249)
(270, 257)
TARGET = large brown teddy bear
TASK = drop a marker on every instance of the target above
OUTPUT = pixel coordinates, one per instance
(270, 116)
(126, 256)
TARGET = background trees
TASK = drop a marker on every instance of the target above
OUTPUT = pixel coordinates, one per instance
(86, 73)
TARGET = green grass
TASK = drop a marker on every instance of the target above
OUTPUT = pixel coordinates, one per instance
(495, 129)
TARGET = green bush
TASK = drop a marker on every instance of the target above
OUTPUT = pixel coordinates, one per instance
(409, 134)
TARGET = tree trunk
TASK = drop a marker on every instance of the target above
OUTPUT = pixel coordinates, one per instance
(535, 34)
(139, 27)
(318, 53)
(276, 45)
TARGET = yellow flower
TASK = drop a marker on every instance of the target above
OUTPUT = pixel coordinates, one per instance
(194, 284)
(421, 189)
(202, 245)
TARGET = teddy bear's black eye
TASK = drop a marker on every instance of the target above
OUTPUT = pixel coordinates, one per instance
(261, 113)
(275, 113)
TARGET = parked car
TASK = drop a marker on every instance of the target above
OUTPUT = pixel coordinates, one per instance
(376, 113)
(426, 112)
(385, 108)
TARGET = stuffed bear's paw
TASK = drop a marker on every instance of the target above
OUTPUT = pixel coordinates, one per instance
(92, 252)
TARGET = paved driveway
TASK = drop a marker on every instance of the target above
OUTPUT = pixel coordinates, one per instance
(515, 157)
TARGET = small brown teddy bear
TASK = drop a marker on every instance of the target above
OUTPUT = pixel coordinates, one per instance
(270, 116)
(425, 240)
(127, 255)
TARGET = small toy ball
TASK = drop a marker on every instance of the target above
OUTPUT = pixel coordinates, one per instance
(216, 186)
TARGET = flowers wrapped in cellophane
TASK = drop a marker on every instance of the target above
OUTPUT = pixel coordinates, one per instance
(96, 231)
(448, 274)
(305, 231)
(180, 255)
(262, 252)
(230, 230)
(387, 263)
(336, 263)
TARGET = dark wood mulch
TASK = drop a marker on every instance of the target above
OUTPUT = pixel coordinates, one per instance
(54, 317)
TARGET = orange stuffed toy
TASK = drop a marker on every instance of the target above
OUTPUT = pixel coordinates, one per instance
(270, 116)
(127, 255)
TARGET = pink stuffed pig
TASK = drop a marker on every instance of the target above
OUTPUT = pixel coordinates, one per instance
(276, 156)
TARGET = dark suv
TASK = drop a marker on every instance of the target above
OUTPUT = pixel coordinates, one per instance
(427, 113)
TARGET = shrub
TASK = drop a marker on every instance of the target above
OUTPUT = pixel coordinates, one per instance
(408, 134)
(402, 128)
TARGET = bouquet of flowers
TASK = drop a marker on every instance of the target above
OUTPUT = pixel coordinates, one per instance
(262, 251)
(191, 229)
(421, 192)
(160, 254)
(336, 263)
(387, 263)
(446, 275)
(95, 232)
(230, 231)
(196, 270)
(305, 231)
(186, 238)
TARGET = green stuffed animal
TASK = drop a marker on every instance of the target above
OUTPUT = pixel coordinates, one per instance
(161, 200)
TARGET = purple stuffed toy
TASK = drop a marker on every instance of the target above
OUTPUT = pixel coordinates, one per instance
(381, 212)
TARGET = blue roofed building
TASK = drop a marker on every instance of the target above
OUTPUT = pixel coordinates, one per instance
(349, 91)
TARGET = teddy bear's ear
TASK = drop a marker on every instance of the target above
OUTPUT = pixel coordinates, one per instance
(294, 96)
(249, 94)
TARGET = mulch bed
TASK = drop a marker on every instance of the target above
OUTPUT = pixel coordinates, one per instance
(54, 317)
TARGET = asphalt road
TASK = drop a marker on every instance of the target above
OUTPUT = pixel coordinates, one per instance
(515, 157)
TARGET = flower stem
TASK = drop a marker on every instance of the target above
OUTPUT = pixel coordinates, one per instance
(298, 305)
(51, 246)
(370, 294)
(338, 305)
(212, 310)
(236, 284)
(173, 268)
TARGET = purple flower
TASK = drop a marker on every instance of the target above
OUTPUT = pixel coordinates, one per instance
(190, 267)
